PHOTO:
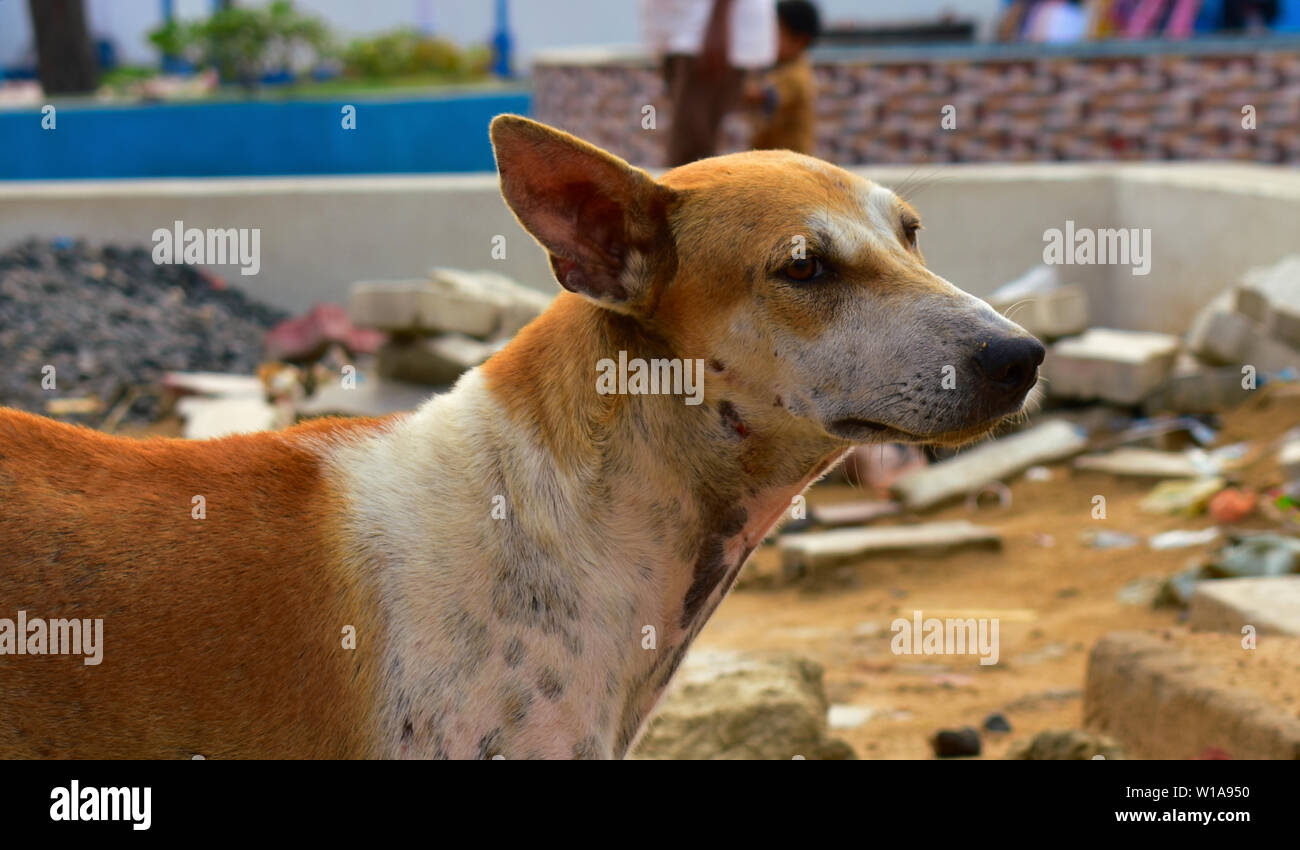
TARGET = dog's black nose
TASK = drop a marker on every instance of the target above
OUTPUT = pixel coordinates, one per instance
(1011, 363)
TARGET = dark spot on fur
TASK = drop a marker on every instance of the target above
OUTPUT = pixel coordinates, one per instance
(716, 365)
(516, 706)
(550, 684)
(514, 652)
(572, 643)
(490, 744)
(587, 749)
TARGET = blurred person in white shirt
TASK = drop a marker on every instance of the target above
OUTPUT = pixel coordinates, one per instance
(707, 47)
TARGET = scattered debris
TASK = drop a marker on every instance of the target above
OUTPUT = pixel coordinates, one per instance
(1184, 497)
(305, 338)
(1106, 539)
(1232, 505)
(1181, 538)
(1258, 555)
(988, 462)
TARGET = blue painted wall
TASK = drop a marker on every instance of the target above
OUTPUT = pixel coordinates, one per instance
(255, 138)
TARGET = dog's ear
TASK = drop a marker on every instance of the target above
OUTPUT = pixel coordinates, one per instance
(603, 222)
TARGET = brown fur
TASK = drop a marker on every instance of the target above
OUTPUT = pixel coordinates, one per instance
(100, 527)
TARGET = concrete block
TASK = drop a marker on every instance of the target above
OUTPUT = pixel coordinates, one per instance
(419, 307)
(804, 552)
(1181, 695)
(1061, 310)
(515, 305)
(1270, 604)
(992, 461)
(1111, 365)
(1234, 339)
(437, 361)
(1196, 388)
(1271, 296)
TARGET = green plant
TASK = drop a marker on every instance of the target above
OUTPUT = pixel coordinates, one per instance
(245, 43)
(407, 52)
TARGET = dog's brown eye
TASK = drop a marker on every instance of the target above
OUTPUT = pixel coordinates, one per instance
(909, 231)
(804, 270)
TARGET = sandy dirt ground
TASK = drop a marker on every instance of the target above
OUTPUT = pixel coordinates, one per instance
(1053, 594)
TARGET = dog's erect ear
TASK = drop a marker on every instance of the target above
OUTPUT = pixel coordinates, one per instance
(603, 222)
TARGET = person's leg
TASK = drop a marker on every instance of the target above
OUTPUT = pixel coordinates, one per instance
(698, 106)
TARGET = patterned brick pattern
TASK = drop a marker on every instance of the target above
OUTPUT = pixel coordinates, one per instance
(1162, 106)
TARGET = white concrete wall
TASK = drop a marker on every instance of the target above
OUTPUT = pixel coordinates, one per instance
(984, 226)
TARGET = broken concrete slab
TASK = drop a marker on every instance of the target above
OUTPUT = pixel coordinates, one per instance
(814, 549)
(419, 307)
(992, 461)
(207, 418)
(1271, 296)
(1042, 305)
(517, 304)
(436, 361)
(730, 705)
(479, 304)
(1110, 365)
(1179, 695)
(1153, 463)
(853, 513)
(1271, 605)
(1196, 388)
(1233, 339)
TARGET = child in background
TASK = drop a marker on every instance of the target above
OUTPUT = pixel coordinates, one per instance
(784, 97)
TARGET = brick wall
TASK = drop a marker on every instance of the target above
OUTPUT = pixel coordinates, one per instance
(1112, 101)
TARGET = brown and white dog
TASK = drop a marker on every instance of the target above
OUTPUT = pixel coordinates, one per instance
(500, 552)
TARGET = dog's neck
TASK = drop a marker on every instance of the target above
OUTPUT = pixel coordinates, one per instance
(680, 494)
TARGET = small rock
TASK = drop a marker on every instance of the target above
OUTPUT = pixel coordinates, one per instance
(1067, 745)
(997, 722)
(949, 743)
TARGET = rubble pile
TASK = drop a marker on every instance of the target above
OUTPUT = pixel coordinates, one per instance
(110, 321)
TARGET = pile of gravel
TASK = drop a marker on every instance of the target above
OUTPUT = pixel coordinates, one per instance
(109, 319)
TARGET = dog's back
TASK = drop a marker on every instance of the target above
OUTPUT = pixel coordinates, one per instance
(244, 586)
